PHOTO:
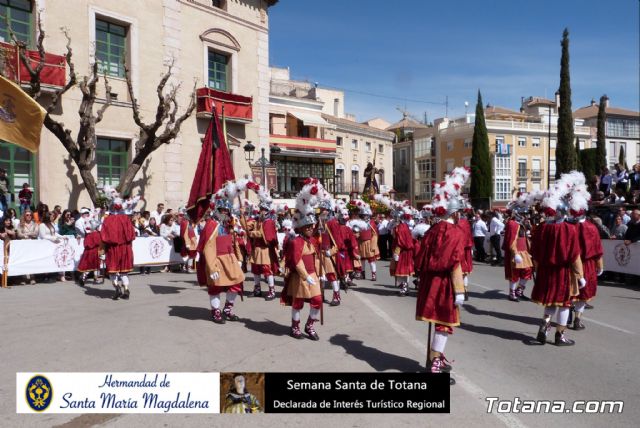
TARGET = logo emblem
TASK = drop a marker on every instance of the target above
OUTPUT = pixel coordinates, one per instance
(39, 393)
(622, 254)
(7, 109)
(156, 247)
(64, 254)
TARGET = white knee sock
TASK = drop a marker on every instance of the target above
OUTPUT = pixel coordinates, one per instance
(113, 277)
(215, 301)
(373, 267)
(295, 314)
(465, 281)
(549, 311)
(335, 285)
(270, 281)
(563, 316)
(402, 279)
(579, 306)
(512, 286)
(314, 314)
(256, 279)
(439, 341)
(124, 279)
(523, 282)
(231, 297)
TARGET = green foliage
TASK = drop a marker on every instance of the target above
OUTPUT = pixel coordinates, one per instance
(578, 160)
(481, 170)
(589, 161)
(565, 152)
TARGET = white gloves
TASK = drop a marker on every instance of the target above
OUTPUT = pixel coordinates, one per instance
(459, 299)
(327, 253)
(396, 257)
(281, 269)
(582, 283)
(239, 263)
(310, 280)
(517, 258)
(358, 257)
(102, 257)
(323, 278)
(600, 272)
(214, 276)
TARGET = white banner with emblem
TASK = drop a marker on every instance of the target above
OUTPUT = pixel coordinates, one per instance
(27, 257)
(621, 258)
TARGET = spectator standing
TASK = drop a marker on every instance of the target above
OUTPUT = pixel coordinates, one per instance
(496, 227)
(47, 231)
(28, 229)
(5, 190)
(83, 224)
(619, 228)
(166, 231)
(152, 228)
(157, 213)
(66, 225)
(633, 228)
(622, 178)
(25, 196)
(605, 181)
(383, 237)
(480, 232)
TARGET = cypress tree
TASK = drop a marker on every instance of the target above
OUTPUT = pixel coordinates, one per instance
(481, 172)
(578, 160)
(601, 157)
(622, 159)
(565, 152)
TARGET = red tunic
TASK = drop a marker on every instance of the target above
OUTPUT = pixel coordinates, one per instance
(269, 241)
(209, 228)
(117, 235)
(590, 253)
(467, 261)
(555, 248)
(404, 243)
(90, 259)
(337, 235)
(442, 251)
(351, 243)
(185, 227)
(512, 232)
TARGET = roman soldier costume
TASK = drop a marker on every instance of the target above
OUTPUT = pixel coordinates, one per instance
(90, 259)
(189, 242)
(441, 258)
(368, 238)
(220, 266)
(518, 266)
(302, 260)
(117, 235)
(402, 249)
(264, 255)
(556, 253)
(590, 249)
(328, 248)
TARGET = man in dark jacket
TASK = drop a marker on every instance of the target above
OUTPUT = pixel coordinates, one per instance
(633, 228)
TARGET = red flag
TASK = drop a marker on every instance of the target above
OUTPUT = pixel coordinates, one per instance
(213, 170)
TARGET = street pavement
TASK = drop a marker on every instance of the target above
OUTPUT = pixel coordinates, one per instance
(166, 326)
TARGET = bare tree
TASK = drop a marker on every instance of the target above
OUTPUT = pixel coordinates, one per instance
(82, 146)
(164, 128)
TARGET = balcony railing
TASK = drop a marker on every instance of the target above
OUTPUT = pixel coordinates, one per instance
(237, 108)
(53, 73)
(303, 144)
(523, 173)
(537, 174)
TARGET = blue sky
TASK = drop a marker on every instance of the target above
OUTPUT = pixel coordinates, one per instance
(422, 51)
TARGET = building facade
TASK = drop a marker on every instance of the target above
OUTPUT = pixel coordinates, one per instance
(316, 138)
(622, 131)
(221, 45)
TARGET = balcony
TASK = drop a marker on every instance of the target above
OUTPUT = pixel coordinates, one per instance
(537, 174)
(302, 146)
(52, 76)
(237, 108)
(523, 174)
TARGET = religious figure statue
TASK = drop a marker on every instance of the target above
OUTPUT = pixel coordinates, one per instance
(370, 184)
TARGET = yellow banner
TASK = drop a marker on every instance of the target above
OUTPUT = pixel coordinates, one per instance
(21, 117)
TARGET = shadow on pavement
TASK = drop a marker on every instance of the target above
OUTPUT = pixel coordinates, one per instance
(184, 282)
(101, 293)
(377, 291)
(501, 315)
(489, 294)
(190, 312)
(165, 289)
(504, 334)
(267, 327)
(376, 358)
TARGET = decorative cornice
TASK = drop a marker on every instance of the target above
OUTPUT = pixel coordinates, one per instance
(235, 45)
(225, 15)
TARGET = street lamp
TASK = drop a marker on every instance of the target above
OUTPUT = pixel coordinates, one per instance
(263, 162)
